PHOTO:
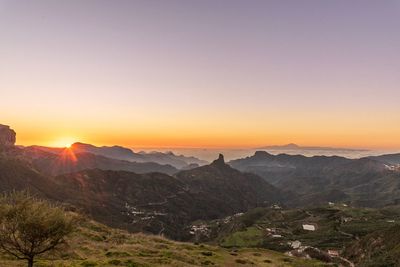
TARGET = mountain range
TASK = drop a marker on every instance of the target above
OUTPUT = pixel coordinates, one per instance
(125, 154)
(122, 153)
(152, 202)
(117, 187)
(114, 191)
(67, 160)
(370, 182)
(159, 203)
(293, 146)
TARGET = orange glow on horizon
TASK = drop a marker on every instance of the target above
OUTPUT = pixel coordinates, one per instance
(376, 131)
(65, 142)
(229, 141)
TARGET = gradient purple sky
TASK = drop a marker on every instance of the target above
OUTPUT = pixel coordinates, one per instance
(202, 73)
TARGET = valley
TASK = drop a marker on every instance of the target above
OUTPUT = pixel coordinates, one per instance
(176, 133)
(327, 233)
(321, 208)
(96, 245)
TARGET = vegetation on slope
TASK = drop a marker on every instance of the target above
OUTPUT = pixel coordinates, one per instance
(336, 227)
(381, 248)
(94, 244)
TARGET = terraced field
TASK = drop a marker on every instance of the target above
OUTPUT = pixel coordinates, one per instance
(336, 227)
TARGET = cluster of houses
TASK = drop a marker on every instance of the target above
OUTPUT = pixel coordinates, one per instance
(299, 249)
(276, 207)
(393, 167)
(273, 232)
(332, 204)
(141, 215)
(199, 229)
(276, 233)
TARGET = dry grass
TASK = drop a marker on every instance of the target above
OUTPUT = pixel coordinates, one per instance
(94, 244)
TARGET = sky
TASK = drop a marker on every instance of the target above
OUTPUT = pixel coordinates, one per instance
(201, 73)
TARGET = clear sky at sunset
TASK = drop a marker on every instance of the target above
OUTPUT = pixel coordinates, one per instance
(201, 73)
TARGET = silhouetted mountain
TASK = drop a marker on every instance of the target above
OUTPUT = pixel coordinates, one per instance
(190, 166)
(122, 153)
(224, 185)
(179, 161)
(292, 146)
(151, 202)
(156, 202)
(116, 152)
(16, 174)
(67, 161)
(126, 154)
(390, 159)
(315, 180)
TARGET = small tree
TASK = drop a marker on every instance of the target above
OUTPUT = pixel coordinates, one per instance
(30, 226)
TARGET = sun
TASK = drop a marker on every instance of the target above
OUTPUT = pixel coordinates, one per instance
(66, 142)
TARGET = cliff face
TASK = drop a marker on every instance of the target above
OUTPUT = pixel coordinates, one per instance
(7, 136)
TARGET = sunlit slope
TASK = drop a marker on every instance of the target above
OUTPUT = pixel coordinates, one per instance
(94, 244)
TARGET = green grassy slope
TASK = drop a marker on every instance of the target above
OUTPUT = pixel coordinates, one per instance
(381, 248)
(94, 244)
(336, 227)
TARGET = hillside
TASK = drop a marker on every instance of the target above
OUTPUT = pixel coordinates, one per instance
(334, 227)
(158, 203)
(123, 153)
(151, 202)
(217, 204)
(94, 244)
(381, 248)
(228, 188)
(390, 159)
(320, 179)
(68, 160)
(15, 174)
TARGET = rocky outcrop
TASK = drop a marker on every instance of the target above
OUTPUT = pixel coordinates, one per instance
(7, 136)
(220, 161)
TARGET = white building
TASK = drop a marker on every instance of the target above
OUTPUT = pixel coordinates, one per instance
(333, 253)
(309, 227)
(295, 244)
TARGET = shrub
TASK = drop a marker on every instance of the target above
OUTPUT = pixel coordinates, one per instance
(30, 226)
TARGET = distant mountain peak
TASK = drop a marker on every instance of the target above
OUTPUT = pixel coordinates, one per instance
(81, 144)
(293, 146)
(123, 153)
(220, 161)
(260, 153)
(286, 146)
